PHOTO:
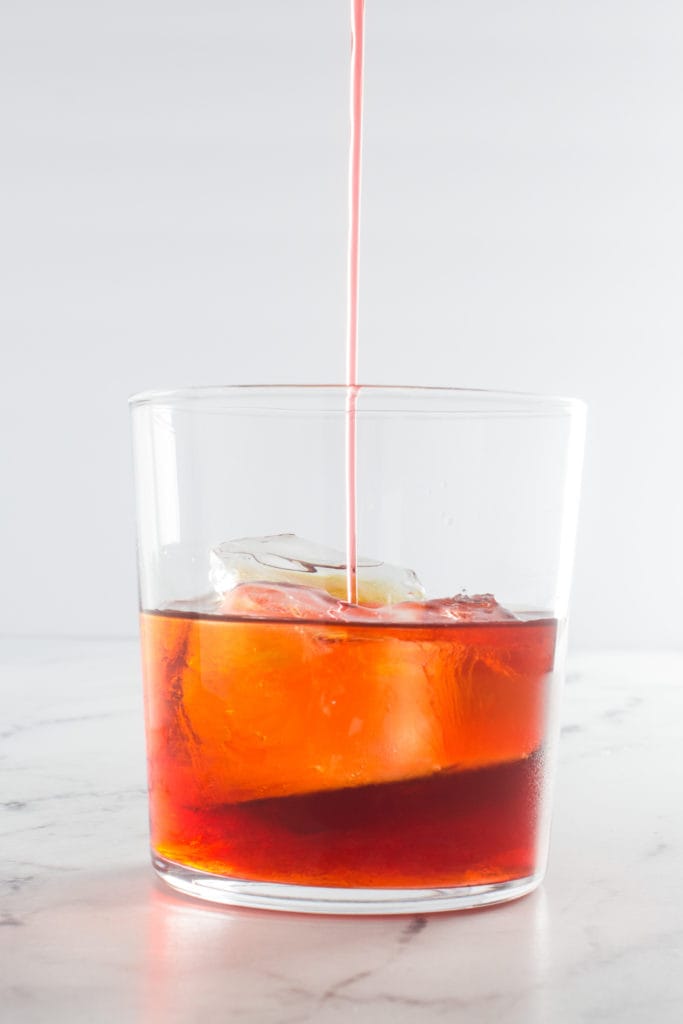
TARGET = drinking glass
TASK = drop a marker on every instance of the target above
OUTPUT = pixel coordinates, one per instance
(387, 756)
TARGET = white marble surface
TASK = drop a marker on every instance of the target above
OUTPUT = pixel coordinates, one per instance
(90, 935)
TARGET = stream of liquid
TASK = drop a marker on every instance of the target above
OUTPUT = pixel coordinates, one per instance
(355, 152)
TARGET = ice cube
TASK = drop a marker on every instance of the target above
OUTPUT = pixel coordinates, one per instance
(285, 601)
(463, 607)
(471, 608)
(287, 559)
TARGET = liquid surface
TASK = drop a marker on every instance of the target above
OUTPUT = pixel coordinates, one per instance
(347, 754)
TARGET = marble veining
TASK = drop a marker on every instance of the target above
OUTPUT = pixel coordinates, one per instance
(88, 933)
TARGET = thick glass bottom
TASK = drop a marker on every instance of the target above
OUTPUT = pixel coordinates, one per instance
(306, 899)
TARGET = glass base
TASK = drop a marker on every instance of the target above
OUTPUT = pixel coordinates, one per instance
(310, 899)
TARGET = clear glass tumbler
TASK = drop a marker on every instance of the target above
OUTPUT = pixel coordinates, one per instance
(390, 755)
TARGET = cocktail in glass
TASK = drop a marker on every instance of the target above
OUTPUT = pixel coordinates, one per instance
(385, 754)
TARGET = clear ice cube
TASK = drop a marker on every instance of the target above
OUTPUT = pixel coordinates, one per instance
(474, 608)
(287, 559)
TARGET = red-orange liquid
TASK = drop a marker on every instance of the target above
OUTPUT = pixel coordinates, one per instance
(365, 755)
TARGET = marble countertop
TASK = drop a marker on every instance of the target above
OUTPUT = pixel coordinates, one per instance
(89, 934)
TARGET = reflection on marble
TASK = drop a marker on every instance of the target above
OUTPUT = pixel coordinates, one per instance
(89, 934)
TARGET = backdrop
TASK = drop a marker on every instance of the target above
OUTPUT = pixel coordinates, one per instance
(173, 205)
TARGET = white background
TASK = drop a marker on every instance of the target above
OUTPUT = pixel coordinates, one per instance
(173, 212)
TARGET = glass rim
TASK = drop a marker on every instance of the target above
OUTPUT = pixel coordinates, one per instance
(490, 399)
